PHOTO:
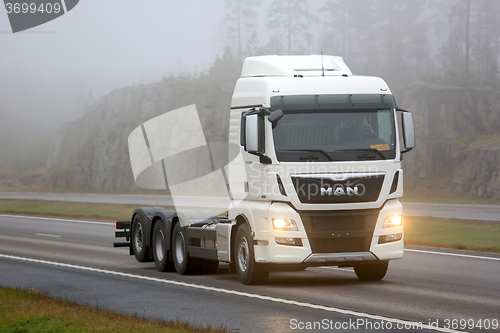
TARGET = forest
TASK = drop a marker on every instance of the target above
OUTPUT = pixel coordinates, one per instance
(452, 42)
(440, 57)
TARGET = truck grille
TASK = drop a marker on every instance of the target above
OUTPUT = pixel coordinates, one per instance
(338, 188)
(340, 231)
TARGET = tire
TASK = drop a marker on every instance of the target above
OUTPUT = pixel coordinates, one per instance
(141, 251)
(371, 272)
(182, 262)
(249, 272)
(160, 252)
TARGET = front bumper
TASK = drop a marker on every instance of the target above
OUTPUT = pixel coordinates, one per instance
(333, 237)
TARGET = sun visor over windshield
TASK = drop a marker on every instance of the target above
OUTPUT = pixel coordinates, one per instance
(332, 102)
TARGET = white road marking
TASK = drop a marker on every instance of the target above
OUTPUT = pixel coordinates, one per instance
(56, 219)
(453, 254)
(234, 292)
(47, 235)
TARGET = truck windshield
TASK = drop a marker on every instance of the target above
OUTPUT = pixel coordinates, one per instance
(335, 135)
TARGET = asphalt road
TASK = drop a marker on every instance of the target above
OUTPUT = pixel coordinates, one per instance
(74, 260)
(471, 212)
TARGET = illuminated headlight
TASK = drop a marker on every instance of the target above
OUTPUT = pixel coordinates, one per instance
(284, 224)
(393, 221)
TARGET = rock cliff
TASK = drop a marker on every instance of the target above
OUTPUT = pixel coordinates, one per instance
(458, 135)
(458, 139)
(92, 152)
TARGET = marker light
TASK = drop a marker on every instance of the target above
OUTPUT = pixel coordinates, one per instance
(284, 224)
(390, 238)
(288, 241)
(393, 221)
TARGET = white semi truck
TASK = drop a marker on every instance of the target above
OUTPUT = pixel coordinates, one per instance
(316, 183)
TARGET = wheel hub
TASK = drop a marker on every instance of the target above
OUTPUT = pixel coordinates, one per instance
(179, 247)
(243, 255)
(160, 245)
(138, 237)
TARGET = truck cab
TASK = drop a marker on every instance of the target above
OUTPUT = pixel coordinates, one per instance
(323, 180)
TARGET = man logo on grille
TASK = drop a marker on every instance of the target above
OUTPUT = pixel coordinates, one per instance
(339, 190)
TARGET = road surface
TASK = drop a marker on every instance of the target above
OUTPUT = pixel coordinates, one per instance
(74, 260)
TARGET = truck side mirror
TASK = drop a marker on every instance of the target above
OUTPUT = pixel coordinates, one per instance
(275, 116)
(253, 138)
(408, 130)
(252, 134)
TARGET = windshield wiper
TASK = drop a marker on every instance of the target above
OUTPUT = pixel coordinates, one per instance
(365, 149)
(311, 150)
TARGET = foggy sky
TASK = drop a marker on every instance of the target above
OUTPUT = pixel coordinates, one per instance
(101, 46)
(46, 71)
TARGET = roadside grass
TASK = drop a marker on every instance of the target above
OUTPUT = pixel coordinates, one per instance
(441, 189)
(477, 141)
(451, 199)
(453, 233)
(424, 231)
(27, 312)
(68, 209)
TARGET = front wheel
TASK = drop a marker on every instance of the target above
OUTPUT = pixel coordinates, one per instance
(249, 272)
(371, 272)
(160, 252)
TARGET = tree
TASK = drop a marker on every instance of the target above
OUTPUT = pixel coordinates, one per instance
(402, 39)
(378, 37)
(289, 22)
(470, 54)
(240, 26)
(347, 31)
(485, 41)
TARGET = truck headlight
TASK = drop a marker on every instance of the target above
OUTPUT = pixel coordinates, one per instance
(285, 224)
(393, 221)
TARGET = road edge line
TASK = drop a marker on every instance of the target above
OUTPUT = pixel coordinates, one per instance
(234, 292)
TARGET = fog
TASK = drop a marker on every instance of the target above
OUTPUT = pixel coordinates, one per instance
(99, 46)
(50, 74)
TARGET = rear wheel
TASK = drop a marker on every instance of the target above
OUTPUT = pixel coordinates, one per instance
(160, 252)
(182, 262)
(141, 251)
(371, 272)
(249, 272)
